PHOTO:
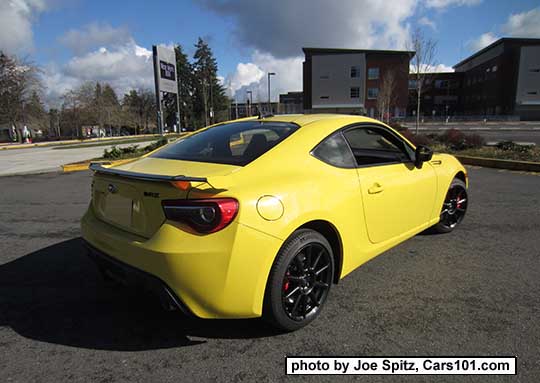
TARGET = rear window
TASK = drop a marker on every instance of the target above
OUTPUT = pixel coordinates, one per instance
(236, 143)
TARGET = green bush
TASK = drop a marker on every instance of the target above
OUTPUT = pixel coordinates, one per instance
(112, 154)
(512, 146)
(116, 153)
(156, 144)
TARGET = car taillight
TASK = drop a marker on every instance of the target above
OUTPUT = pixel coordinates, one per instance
(203, 215)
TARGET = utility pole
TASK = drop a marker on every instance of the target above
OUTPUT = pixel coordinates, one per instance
(250, 101)
(211, 103)
(269, 101)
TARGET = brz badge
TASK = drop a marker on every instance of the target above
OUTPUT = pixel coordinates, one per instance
(111, 188)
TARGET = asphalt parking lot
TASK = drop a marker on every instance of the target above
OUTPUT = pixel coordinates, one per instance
(473, 292)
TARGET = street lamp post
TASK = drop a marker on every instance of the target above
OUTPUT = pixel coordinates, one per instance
(250, 101)
(269, 102)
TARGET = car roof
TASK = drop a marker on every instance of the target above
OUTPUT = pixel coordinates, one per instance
(305, 119)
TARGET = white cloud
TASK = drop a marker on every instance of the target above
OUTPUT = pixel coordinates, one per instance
(95, 35)
(526, 24)
(282, 28)
(245, 74)
(16, 18)
(427, 22)
(439, 68)
(482, 41)
(252, 76)
(125, 67)
(448, 3)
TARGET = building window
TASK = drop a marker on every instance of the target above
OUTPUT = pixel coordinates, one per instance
(535, 70)
(412, 84)
(324, 97)
(355, 92)
(324, 77)
(355, 72)
(441, 84)
(372, 93)
(373, 73)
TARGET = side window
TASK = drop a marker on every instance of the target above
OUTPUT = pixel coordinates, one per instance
(372, 146)
(335, 151)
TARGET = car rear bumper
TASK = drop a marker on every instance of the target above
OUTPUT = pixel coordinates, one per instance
(219, 275)
(132, 277)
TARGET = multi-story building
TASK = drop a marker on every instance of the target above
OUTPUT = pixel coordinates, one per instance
(440, 96)
(244, 109)
(349, 80)
(502, 79)
(291, 103)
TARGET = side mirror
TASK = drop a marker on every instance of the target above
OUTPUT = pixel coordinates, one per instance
(422, 154)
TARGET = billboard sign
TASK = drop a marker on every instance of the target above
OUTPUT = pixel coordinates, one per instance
(165, 69)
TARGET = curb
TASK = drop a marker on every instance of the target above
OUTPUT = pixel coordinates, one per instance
(500, 164)
(81, 166)
(78, 141)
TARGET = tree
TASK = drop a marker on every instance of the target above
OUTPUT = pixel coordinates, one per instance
(111, 109)
(422, 64)
(139, 108)
(97, 105)
(387, 94)
(35, 114)
(54, 122)
(69, 114)
(186, 84)
(209, 94)
(18, 82)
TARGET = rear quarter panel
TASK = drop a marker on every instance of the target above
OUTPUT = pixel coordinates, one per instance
(308, 188)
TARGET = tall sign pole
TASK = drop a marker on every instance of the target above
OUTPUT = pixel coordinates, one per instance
(165, 81)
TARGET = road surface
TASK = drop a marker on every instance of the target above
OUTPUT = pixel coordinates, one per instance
(473, 292)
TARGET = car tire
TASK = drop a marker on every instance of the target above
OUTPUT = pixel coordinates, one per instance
(299, 281)
(454, 207)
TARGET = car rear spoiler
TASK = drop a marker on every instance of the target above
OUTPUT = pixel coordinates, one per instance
(99, 168)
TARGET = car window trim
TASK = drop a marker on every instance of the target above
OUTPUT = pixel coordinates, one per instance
(381, 127)
(359, 125)
(335, 132)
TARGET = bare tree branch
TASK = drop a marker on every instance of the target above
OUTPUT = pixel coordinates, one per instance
(422, 64)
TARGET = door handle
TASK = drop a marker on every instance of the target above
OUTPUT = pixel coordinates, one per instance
(436, 162)
(376, 188)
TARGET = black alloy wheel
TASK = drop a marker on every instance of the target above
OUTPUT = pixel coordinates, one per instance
(454, 207)
(307, 282)
(300, 280)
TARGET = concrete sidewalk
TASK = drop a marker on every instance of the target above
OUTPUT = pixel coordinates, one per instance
(17, 145)
(47, 159)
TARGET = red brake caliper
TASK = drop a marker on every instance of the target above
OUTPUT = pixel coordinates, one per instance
(459, 199)
(286, 282)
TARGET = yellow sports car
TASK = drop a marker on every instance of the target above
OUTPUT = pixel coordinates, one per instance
(260, 216)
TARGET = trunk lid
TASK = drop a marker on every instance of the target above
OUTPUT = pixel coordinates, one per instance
(132, 203)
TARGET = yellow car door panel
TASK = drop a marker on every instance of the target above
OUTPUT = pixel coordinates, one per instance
(398, 197)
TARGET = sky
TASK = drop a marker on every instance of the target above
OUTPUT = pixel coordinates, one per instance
(111, 41)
